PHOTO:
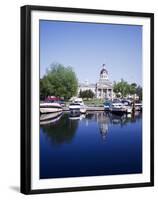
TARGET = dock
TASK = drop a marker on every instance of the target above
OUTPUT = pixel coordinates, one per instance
(89, 108)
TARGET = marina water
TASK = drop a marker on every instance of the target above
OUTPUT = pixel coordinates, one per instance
(97, 143)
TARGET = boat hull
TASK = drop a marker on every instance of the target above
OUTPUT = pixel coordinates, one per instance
(106, 108)
(83, 109)
(128, 110)
(50, 108)
(118, 111)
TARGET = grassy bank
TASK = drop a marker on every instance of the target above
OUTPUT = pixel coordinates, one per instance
(94, 102)
(91, 102)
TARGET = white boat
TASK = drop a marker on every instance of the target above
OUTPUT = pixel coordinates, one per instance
(74, 106)
(83, 109)
(50, 118)
(127, 104)
(121, 106)
(50, 107)
(118, 108)
(79, 101)
(128, 109)
(138, 106)
(78, 105)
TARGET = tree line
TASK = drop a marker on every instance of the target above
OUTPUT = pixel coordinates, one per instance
(61, 81)
(123, 88)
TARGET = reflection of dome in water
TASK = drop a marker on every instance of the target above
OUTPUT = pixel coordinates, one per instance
(103, 121)
(104, 130)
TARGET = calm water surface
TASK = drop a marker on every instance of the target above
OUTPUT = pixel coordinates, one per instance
(97, 143)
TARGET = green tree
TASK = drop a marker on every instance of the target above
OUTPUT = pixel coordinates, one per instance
(59, 81)
(139, 92)
(123, 88)
(132, 88)
(80, 94)
(91, 94)
(86, 94)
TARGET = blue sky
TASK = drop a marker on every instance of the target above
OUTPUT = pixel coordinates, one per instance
(86, 46)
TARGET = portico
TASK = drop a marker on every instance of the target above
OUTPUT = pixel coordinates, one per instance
(104, 93)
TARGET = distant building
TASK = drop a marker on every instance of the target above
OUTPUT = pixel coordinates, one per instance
(102, 89)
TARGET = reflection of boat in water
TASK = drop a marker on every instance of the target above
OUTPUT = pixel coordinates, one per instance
(50, 118)
(61, 130)
(48, 107)
(117, 119)
(76, 116)
(124, 119)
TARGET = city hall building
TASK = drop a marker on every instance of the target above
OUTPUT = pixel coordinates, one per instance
(103, 89)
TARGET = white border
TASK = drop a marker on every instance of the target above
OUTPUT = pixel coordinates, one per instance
(36, 183)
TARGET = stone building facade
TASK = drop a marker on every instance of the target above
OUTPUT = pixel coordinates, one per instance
(103, 89)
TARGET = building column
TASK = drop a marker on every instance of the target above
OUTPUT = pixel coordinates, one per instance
(112, 94)
(109, 93)
(97, 93)
(106, 93)
(101, 93)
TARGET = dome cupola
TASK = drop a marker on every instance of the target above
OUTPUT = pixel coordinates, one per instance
(103, 70)
(103, 73)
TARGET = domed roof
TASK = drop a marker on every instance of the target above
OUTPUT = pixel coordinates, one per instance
(103, 70)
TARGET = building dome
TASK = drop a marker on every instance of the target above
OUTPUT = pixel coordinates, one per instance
(103, 70)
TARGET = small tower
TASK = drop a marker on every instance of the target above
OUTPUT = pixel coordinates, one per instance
(104, 74)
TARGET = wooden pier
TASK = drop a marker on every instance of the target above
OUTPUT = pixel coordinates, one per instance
(88, 108)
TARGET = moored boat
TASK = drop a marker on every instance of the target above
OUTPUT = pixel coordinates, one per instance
(138, 106)
(83, 109)
(78, 105)
(74, 106)
(79, 101)
(107, 105)
(128, 109)
(118, 108)
(128, 105)
(48, 107)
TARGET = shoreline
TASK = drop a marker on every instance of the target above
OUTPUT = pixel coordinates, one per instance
(88, 108)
